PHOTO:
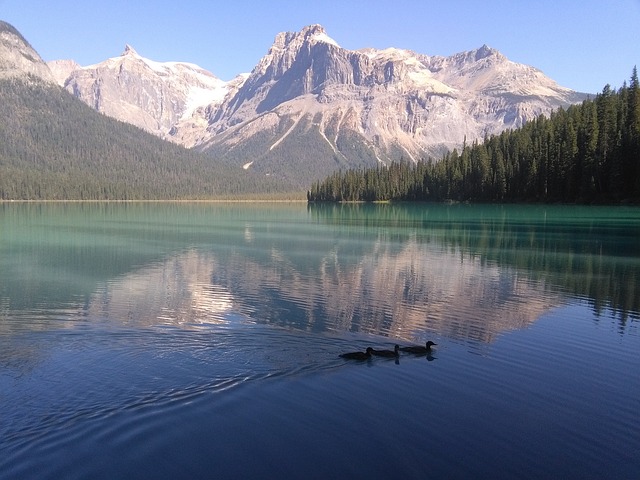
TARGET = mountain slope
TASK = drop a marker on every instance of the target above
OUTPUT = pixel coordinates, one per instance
(18, 58)
(56, 147)
(53, 146)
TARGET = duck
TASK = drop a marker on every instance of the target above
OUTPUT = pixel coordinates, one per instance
(386, 353)
(419, 350)
(358, 355)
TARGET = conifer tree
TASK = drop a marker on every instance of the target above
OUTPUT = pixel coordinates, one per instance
(633, 159)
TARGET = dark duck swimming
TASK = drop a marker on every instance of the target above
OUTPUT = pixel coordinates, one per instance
(358, 355)
(418, 349)
(387, 353)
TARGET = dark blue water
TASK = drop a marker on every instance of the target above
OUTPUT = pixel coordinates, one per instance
(202, 341)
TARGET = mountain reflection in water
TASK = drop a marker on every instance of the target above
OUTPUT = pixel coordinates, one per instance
(399, 271)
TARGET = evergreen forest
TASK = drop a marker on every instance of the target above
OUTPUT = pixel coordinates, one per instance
(586, 153)
(54, 147)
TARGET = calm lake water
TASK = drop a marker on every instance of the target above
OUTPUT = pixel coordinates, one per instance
(201, 341)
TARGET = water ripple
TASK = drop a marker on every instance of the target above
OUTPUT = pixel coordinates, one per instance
(91, 375)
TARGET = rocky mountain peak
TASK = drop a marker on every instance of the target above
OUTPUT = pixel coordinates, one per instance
(485, 51)
(483, 56)
(18, 58)
(287, 47)
(315, 29)
(310, 34)
(151, 95)
(317, 33)
(129, 50)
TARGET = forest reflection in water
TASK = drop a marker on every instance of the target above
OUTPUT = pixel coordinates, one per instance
(402, 271)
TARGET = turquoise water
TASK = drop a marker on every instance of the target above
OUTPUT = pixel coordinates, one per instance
(143, 340)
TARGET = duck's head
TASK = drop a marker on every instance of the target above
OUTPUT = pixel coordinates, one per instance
(369, 350)
(430, 344)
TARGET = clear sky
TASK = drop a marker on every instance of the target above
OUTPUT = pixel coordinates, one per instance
(582, 44)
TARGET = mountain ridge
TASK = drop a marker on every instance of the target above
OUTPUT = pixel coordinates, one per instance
(393, 103)
(18, 58)
(310, 107)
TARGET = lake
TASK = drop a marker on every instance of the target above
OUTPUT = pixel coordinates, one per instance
(202, 340)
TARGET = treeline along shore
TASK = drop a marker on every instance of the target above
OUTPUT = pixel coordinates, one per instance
(587, 153)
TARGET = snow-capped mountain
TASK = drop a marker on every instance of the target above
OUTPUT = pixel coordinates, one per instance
(151, 95)
(308, 98)
(310, 103)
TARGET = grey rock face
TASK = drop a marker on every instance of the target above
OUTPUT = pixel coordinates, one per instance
(18, 58)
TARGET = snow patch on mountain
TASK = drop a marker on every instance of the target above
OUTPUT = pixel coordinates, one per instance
(321, 36)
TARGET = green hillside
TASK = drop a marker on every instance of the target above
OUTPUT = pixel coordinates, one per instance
(303, 145)
(54, 147)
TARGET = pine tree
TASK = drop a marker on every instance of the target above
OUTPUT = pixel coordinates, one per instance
(633, 160)
(608, 176)
(588, 144)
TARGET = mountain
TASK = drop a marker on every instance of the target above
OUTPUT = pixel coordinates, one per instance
(310, 107)
(18, 58)
(151, 95)
(311, 101)
(56, 147)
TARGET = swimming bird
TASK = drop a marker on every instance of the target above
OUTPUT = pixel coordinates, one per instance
(386, 353)
(358, 355)
(418, 350)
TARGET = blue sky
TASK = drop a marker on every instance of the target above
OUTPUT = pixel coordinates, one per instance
(582, 44)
